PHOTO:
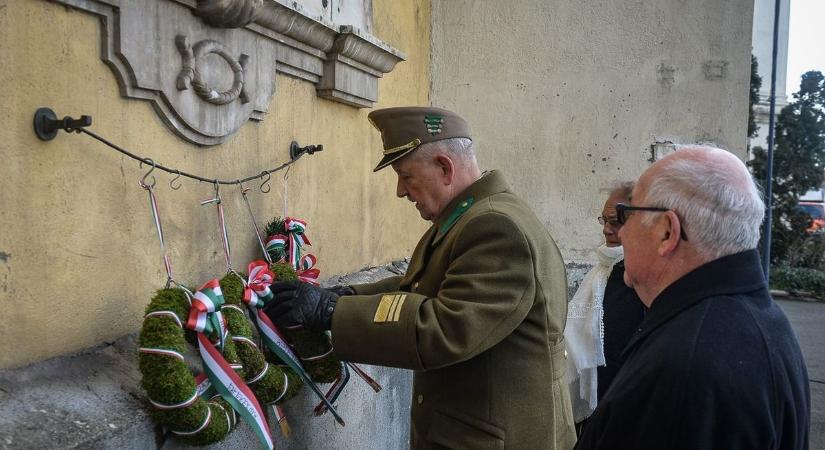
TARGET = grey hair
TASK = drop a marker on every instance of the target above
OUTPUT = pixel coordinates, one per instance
(460, 148)
(625, 188)
(720, 210)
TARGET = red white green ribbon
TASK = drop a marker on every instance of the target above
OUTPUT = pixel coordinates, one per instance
(296, 229)
(306, 271)
(276, 244)
(204, 313)
(256, 290)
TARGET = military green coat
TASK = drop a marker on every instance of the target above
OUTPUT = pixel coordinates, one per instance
(479, 316)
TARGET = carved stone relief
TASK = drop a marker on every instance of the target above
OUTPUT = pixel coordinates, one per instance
(208, 66)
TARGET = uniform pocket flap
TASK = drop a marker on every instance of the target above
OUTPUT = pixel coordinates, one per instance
(458, 434)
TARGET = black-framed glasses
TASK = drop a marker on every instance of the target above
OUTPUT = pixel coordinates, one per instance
(622, 214)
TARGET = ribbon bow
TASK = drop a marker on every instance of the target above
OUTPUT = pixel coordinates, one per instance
(256, 292)
(205, 314)
(276, 246)
(306, 271)
(296, 231)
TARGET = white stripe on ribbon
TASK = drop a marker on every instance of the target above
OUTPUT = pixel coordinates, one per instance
(203, 425)
(164, 313)
(228, 421)
(286, 388)
(245, 340)
(161, 351)
(231, 306)
(313, 358)
(184, 404)
(260, 375)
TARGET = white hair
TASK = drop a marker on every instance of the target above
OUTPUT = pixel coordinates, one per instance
(460, 148)
(719, 206)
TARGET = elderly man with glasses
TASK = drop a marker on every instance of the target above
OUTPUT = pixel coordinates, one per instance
(714, 364)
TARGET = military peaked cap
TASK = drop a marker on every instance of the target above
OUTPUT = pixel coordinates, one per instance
(404, 129)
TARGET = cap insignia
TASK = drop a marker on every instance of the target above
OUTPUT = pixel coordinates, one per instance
(433, 123)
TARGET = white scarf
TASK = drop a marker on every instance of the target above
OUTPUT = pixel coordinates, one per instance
(584, 333)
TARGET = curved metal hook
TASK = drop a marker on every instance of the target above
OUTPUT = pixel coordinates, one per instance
(217, 191)
(266, 182)
(172, 183)
(286, 172)
(143, 180)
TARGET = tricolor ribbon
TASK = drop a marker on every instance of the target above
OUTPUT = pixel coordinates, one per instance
(295, 230)
(204, 311)
(306, 271)
(256, 290)
(275, 342)
(276, 245)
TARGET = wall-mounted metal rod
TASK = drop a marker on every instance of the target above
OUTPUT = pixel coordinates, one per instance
(46, 126)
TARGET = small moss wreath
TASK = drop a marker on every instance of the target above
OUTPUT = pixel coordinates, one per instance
(278, 383)
(168, 381)
(314, 348)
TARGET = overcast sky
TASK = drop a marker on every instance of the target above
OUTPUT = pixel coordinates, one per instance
(806, 41)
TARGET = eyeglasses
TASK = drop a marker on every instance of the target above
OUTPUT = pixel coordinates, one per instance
(622, 214)
(612, 221)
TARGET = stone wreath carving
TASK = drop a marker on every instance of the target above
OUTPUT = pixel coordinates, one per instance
(190, 75)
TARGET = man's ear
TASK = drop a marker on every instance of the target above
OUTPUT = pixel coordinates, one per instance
(670, 233)
(446, 166)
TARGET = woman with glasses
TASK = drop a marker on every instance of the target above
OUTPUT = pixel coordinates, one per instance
(602, 316)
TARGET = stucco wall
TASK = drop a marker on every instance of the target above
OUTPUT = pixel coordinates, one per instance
(568, 96)
(79, 257)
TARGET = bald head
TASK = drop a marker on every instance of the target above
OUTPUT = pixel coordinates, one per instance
(713, 194)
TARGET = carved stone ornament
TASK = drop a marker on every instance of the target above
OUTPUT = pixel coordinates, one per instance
(208, 66)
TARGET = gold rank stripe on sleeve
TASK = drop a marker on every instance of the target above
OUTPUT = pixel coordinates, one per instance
(389, 308)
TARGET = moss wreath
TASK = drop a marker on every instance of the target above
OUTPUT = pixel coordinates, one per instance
(314, 348)
(169, 383)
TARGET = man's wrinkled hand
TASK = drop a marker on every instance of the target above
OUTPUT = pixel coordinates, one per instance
(301, 304)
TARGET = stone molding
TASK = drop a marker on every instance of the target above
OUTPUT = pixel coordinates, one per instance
(207, 91)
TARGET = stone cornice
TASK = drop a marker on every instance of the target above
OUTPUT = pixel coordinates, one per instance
(255, 38)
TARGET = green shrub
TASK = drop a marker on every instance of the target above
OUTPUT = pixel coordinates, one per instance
(799, 280)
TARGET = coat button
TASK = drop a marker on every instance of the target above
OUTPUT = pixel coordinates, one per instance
(415, 285)
(565, 353)
(420, 399)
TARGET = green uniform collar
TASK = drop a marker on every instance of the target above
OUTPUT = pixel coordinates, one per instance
(490, 183)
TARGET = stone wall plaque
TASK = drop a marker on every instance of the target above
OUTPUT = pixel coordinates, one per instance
(208, 66)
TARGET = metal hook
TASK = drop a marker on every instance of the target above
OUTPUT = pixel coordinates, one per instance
(143, 180)
(172, 183)
(266, 182)
(217, 191)
(286, 172)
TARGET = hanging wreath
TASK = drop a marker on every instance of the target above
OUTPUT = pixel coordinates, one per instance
(181, 401)
(285, 246)
(274, 382)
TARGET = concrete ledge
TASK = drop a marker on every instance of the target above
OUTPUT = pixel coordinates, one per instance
(93, 400)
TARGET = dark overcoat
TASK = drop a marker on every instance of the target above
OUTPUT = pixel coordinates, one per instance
(714, 365)
(479, 316)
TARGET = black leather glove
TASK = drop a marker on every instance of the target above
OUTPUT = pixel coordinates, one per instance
(341, 290)
(303, 304)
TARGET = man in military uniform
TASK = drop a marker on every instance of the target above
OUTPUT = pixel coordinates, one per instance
(480, 312)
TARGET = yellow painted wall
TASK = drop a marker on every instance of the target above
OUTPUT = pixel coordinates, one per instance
(79, 258)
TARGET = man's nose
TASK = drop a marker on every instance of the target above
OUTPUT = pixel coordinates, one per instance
(400, 190)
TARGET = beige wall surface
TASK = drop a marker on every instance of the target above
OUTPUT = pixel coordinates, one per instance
(568, 96)
(79, 258)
